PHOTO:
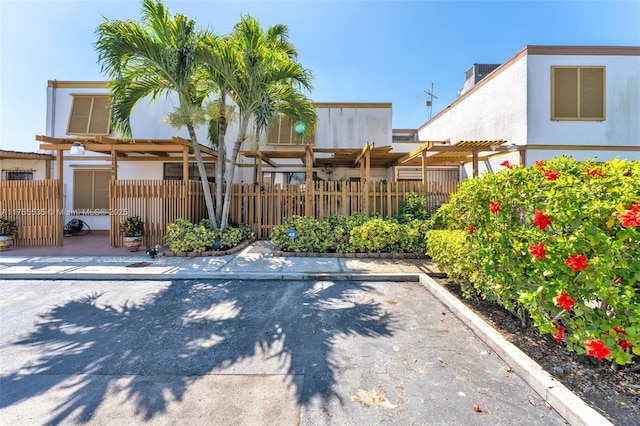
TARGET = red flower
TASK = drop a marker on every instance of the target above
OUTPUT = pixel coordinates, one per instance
(564, 301)
(541, 220)
(538, 250)
(598, 349)
(631, 216)
(577, 262)
(552, 174)
(560, 334)
(539, 165)
(471, 229)
(495, 207)
(624, 343)
(506, 164)
(594, 172)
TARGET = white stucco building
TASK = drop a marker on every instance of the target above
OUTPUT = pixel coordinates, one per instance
(580, 101)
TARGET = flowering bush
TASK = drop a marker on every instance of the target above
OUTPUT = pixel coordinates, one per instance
(558, 243)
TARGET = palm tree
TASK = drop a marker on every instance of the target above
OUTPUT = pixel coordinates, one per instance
(155, 56)
(260, 72)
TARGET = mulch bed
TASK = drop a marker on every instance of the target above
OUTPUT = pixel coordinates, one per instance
(613, 393)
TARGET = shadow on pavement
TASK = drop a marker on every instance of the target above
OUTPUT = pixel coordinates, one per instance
(189, 329)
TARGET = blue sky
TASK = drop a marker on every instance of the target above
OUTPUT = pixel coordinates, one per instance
(359, 51)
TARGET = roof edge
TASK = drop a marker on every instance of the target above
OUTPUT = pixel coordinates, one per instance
(69, 84)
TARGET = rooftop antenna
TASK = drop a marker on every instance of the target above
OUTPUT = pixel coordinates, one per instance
(429, 102)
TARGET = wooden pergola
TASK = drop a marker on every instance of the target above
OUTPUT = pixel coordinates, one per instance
(442, 152)
(311, 157)
(122, 149)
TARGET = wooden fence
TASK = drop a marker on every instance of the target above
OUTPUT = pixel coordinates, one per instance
(157, 202)
(261, 207)
(264, 207)
(37, 208)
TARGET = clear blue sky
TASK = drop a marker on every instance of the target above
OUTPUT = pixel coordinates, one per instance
(359, 51)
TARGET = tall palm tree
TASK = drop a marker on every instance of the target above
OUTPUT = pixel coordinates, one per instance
(262, 76)
(155, 56)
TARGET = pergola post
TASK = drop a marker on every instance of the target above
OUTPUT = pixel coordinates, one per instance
(523, 155)
(425, 177)
(185, 164)
(367, 166)
(309, 198)
(475, 162)
(114, 164)
(60, 177)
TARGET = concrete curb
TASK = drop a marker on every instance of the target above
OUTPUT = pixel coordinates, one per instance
(574, 410)
(280, 276)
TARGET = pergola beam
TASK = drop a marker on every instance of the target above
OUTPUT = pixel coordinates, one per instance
(366, 149)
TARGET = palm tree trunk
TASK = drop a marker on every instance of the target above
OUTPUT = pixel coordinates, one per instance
(231, 171)
(222, 154)
(203, 176)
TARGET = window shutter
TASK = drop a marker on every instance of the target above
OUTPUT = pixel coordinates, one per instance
(100, 114)
(592, 93)
(101, 189)
(286, 131)
(565, 93)
(90, 115)
(91, 189)
(80, 113)
(83, 189)
(273, 131)
(282, 132)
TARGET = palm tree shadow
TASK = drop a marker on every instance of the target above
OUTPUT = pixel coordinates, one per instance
(192, 328)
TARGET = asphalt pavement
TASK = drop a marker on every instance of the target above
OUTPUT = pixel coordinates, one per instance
(257, 339)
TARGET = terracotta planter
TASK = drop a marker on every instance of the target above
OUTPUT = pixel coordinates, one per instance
(133, 243)
(6, 241)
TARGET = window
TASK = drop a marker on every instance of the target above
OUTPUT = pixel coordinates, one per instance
(281, 132)
(578, 93)
(282, 178)
(91, 189)
(90, 115)
(19, 175)
(173, 171)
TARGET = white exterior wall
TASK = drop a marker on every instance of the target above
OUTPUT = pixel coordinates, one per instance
(494, 109)
(353, 127)
(621, 125)
(38, 167)
(339, 127)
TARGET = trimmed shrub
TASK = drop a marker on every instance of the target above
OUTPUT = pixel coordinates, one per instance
(451, 250)
(375, 236)
(184, 236)
(312, 236)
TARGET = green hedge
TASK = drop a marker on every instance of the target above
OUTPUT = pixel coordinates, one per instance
(559, 242)
(184, 236)
(351, 234)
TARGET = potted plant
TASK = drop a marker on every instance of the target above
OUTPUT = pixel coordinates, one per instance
(7, 229)
(132, 228)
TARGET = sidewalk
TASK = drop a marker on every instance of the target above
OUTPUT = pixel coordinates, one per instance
(258, 262)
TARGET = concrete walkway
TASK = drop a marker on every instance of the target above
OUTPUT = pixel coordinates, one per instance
(303, 277)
